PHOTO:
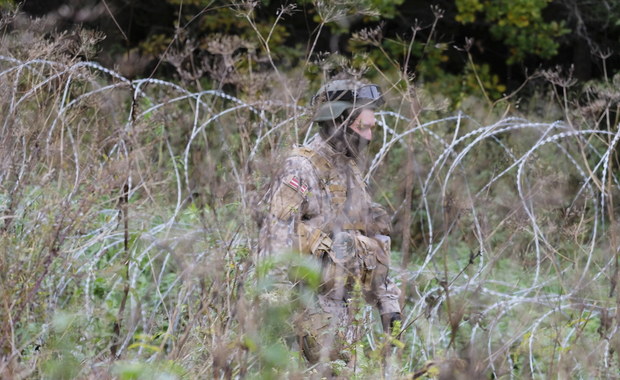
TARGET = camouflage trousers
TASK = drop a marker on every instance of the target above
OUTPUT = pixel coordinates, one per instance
(328, 329)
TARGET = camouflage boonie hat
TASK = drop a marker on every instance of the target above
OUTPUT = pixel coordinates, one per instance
(339, 95)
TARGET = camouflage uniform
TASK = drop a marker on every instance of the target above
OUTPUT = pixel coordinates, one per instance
(320, 206)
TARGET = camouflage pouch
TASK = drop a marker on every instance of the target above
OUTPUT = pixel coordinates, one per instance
(367, 249)
(312, 240)
(343, 248)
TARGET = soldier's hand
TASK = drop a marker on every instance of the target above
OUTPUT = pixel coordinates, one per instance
(388, 320)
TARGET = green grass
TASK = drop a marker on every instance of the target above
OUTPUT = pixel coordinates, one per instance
(128, 244)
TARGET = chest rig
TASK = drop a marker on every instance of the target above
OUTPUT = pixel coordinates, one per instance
(346, 194)
(349, 203)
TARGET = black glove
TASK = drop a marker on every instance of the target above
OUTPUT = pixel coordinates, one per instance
(388, 320)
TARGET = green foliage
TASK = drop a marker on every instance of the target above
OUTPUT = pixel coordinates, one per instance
(518, 24)
(467, 10)
(482, 79)
(7, 4)
(133, 370)
(63, 354)
(511, 259)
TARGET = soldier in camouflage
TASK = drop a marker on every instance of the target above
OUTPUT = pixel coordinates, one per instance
(320, 206)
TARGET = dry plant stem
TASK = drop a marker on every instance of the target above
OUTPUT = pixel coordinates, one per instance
(265, 44)
(438, 14)
(178, 349)
(410, 166)
(523, 270)
(316, 39)
(478, 80)
(54, 251)
(407, 217)
(124, 204)
(115, 348)
(8, 330)
(614, 239)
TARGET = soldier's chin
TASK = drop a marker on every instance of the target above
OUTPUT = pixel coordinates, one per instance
(357, 146)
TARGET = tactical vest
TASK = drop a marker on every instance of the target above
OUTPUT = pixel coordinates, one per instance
(336, 187)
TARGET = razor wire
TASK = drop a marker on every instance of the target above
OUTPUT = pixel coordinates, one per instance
(456, 139)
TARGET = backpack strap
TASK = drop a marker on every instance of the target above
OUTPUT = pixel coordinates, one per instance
(336, 192)
(319, 162)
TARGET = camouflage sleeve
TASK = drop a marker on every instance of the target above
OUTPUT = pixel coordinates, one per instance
(293, 198)
(381, 220)
(383, 292)
(388, 295)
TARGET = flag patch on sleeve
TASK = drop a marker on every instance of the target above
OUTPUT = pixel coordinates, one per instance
(296, 184)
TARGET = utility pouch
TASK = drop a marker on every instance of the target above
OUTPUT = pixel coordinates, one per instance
(384, 253)
(312, 240)
(367, 251)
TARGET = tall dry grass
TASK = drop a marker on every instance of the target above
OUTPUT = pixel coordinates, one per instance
(130, 211)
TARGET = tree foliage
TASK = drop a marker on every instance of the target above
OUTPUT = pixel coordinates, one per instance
(512, 38)
(131, 190)
(518, 24)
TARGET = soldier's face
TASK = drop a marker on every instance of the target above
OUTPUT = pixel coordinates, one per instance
(364, 123)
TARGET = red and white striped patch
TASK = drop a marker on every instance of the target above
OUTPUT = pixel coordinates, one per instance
(294, 183)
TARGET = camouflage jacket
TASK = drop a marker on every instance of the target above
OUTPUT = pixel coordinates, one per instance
(318, 193)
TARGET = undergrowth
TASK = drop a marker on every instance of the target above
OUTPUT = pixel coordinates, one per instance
(129, 213)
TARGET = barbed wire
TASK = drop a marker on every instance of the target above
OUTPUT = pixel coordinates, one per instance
(456, 139)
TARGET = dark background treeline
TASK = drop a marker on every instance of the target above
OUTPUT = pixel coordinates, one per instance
(506, 40)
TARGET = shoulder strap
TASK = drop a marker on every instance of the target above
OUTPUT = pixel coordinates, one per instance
(337, 192)
(319, 162)
(359, 176)
(322, 164)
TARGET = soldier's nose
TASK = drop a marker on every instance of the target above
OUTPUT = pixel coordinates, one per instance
(364, 123)
(366, 132)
